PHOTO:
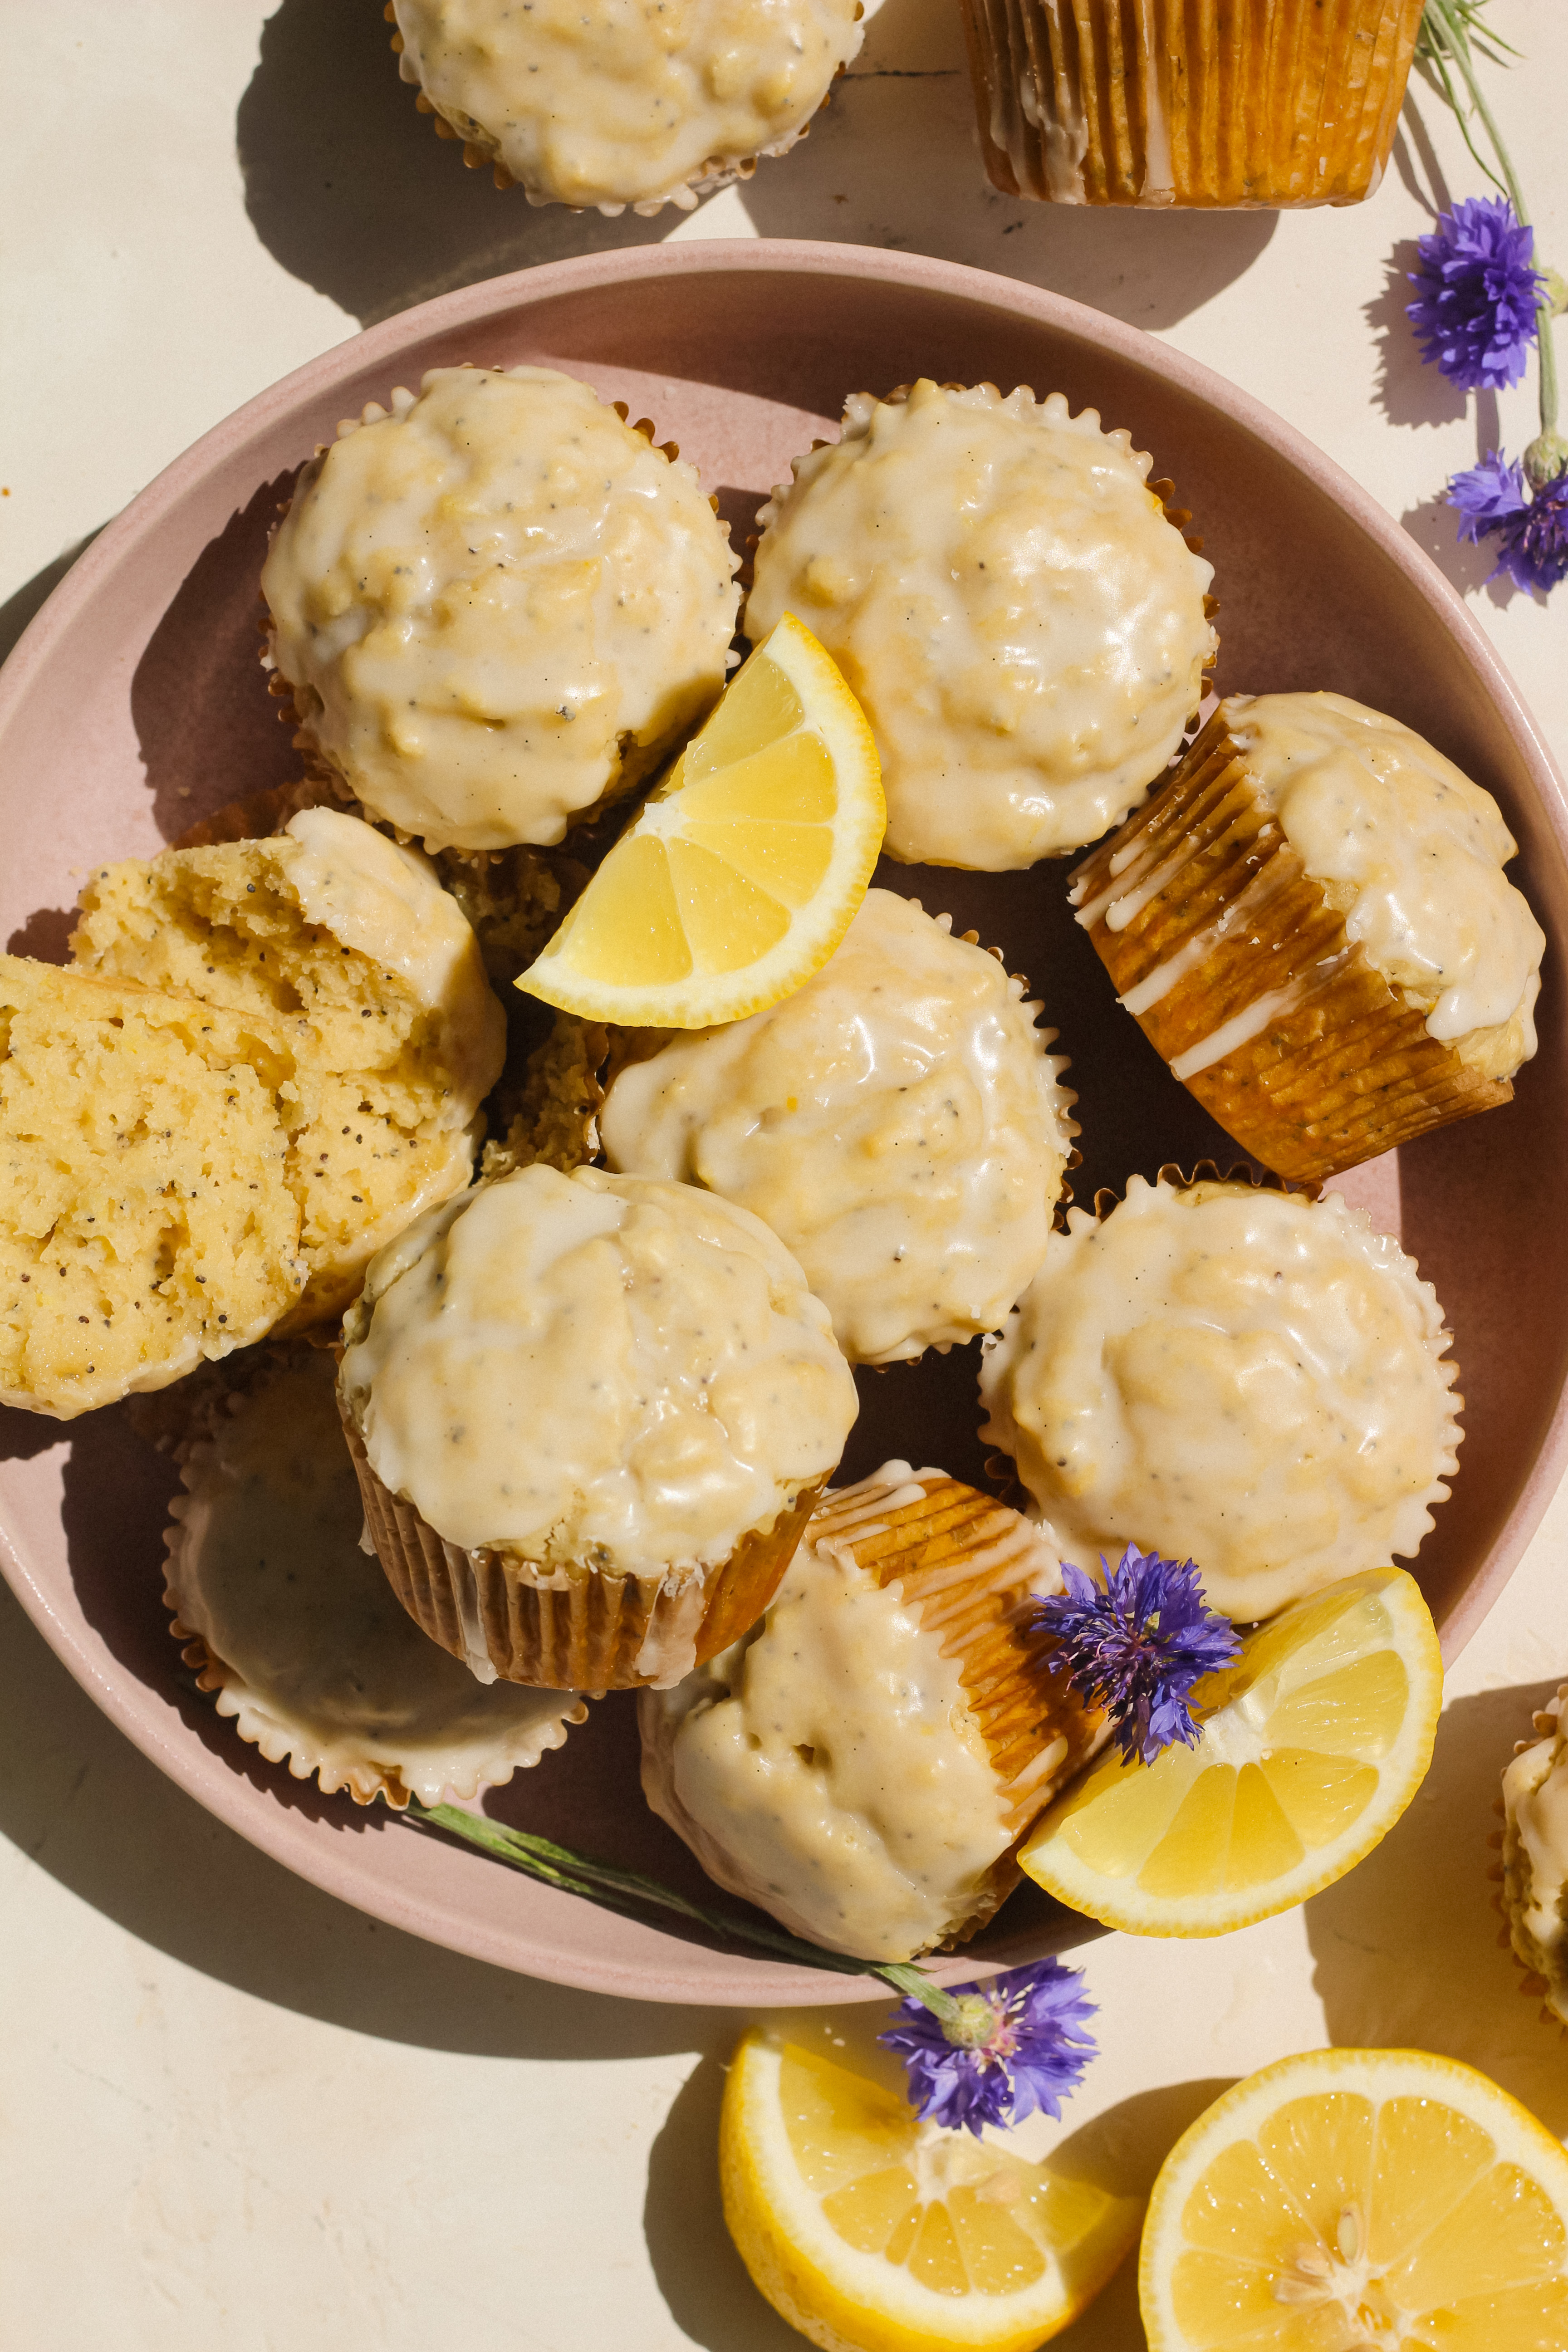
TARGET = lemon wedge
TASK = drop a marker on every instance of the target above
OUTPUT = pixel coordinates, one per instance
(871, 2231)
(741, 870)
(1310, 1747)
(1377, 2198)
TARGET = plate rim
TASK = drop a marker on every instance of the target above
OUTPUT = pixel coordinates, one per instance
(768, 1983)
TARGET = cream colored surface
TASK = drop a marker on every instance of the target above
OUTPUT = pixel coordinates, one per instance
(595, 1366)
(492, 600)
(1242, 1377)
(1414, 853)
(631, 103)
(1024, 629)
(828, 1766)
(273, 2120)
(324, 1667)
(896, 1122)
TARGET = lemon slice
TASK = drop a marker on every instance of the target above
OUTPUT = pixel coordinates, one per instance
(868, 2229)
(743, 869)
(1312, 1744)
(1383, 2200)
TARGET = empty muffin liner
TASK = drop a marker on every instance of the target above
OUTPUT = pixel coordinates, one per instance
(572, 1627)
(1150, 102)
(1242, 977)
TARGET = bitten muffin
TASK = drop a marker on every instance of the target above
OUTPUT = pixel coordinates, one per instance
(299, 1634)
(897, 1122)
(351, 945)
(591, 1414)
(1311, 923)
(148, 1214)
(863, 1762)
(497, 606)
(1535, 1855)
(1243, 1376)
(1025, 628)
(635, 103)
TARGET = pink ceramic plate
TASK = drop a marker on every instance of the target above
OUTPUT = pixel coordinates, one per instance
(135, 702)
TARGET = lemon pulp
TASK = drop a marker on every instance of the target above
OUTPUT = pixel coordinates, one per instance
(1310, 1747)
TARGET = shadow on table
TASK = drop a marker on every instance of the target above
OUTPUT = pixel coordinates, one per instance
(79, 1800)
(348, 187)
(1407, 1945)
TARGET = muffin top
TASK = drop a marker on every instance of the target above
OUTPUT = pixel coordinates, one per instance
(312, 1651)
(828, 1766)
(1003, 592)
(627, 103)
(597, 1369)
(896, 1121)
(1535, 1851)
(1246, 1377)
(495, 605)
(1411, 853)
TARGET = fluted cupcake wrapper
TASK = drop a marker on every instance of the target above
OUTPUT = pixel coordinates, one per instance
(1321, 1068)
(1156, 103)
(575, 1627)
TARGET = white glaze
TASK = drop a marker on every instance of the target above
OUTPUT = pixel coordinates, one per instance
(1024, 629)
(478, 596)
(387, 904)
(632, 101)
(594, 1368)
(1535, 1807)
(827, 1767)
(1243, 1377)
(321, 1666)
(896, 1122)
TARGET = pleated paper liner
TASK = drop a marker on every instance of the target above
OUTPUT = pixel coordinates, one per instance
(296, 1632)
(1241, 975)
(1152, 102)
(505, 1616)
(1543, 1969)
(480, 148)
(965, 1562)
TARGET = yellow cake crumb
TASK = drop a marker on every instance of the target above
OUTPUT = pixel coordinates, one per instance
(371, 970)
(148, 1217)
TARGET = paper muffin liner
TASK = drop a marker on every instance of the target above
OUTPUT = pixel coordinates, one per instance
(481, 148)
(1543, 1968)
(270, 1656)
(1150, 102)
(505, 1616)
(1241, 975)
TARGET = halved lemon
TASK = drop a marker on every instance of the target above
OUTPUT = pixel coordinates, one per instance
(1310, 1747)
(871, 2231)
(743, 869)
(1384, 2200)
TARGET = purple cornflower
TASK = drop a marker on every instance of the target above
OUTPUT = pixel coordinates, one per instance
(1477, 287)
(1018, 2042)
(1137, 1644)
(1531, 531)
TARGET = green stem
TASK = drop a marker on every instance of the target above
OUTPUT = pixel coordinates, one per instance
(1458, 46)
(629, 1892)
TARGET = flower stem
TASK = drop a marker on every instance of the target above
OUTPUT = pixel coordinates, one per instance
(1453, 42)
(629, 1892)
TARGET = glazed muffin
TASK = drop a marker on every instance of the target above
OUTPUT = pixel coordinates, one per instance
(1535, 1857)
(497, 606)
(1024, 627)
(862, 1764)
(633, 104)
(591, 1414)
(1311, 923)
(297, 1633)
(1089, 103)
(349, 944)
(897, 1122)
(1239, 1375)
(148, 1218)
